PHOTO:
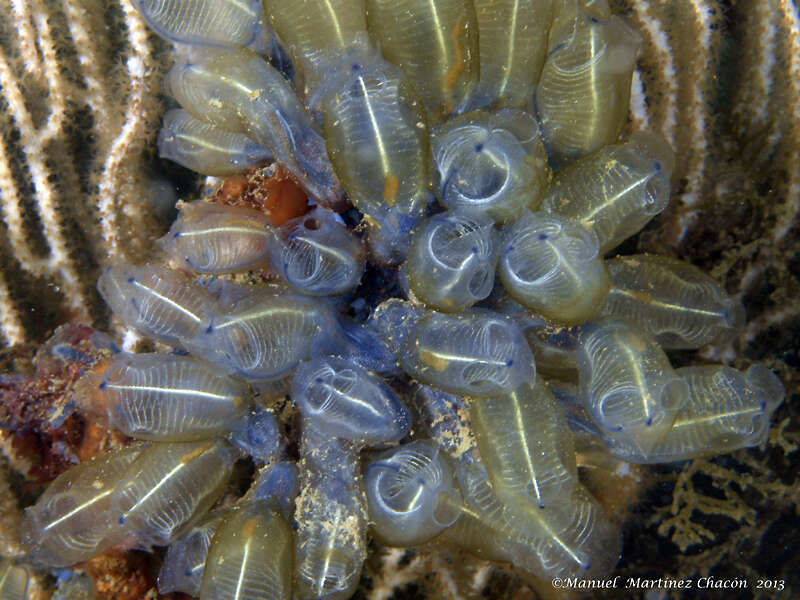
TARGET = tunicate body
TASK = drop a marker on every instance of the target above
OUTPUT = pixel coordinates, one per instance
(330, 542)
(376, 134)
(627, 383)
(250, 557)
(616, 190)
(264, 335)
(393, 320)
(435, 43)
(676, 302)
(725, 410)
(72, 520)
(237, 90)
(159, 303)
(277, 484)
(478, 353)
(206, 22)
(551, 266)
(312, 29)
(452, 260)
(206, 149)
(169, 486)
(13, 581)
(344, 400)
(583, 93)
(444, 417)
(526, 444)
(411, 496)
(492, 163)
(257, 433)
(210, 238)
(317, 255)
(513, 45)
(164, 397)
(182, 569)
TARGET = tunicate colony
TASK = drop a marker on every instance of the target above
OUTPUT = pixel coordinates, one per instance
(440, 123)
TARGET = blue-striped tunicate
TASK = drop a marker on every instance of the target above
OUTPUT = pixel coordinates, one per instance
(616, 190)
(166, 397)
(411, 496)
(317, 255)
(202, 147)
(493, 163)
(452, 260)
(551, 265)
(342, 399)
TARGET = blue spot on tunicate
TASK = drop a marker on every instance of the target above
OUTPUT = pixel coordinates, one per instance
(593, 20)
(478, 147)
(318, 380)
(649, 422)
(474, 249)
(131, 279)
(177, 235)
(509, 362)
(542, 236)
(122, 520)
(657, 166)
(102, 385)
(763, 405)
(188, 572)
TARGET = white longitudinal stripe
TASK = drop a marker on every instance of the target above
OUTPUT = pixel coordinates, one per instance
(133, 127)
(641, 120)
(26, 34)
(658, 40)
(11, 329)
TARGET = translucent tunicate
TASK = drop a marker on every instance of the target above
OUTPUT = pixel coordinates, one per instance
(435, 43)
(673, 300)
(250, 556)
(363, 344)
(725, 410)
(551, 266)
(13, 581)
(165, 397)
(452, 259)
(257, 433)
(584, 91)
(237, 90)
(444, 417)
(277, 484)
(393, 319)
(616, 190)
(491, 163)
(206, 149)
(478, 353)
(317, 255)
(513, 44)
(169, 486)
(330, 542)
(72, 520)
(410, 494)
(264, 335)
(161, 304)
(313, 28)
(526, 444)
(206, 22)
(377, 136)
(344, 400)
(182, 569)
(627, 383)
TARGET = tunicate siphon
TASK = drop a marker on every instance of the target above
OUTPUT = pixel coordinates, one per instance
(551, 266)
(435, 43)
(584, 91)
(478, 353)
(164, 397)
(452, 260)
(513, 44)
(313, 28)
(377, 137)
(204, 148)
(206, 22)
(526, 444)
(673, 300)
(182, 569)
(627, 383)
(410, 494)
(344, 400)
(13, 581)
(72, 520)
(237, 90)
(159, 303)
(616, 190)
(212, 238)
(725, 410)
(250, 556)
(491, 163)
(331, 540)
(317, 255)
(169, 486)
